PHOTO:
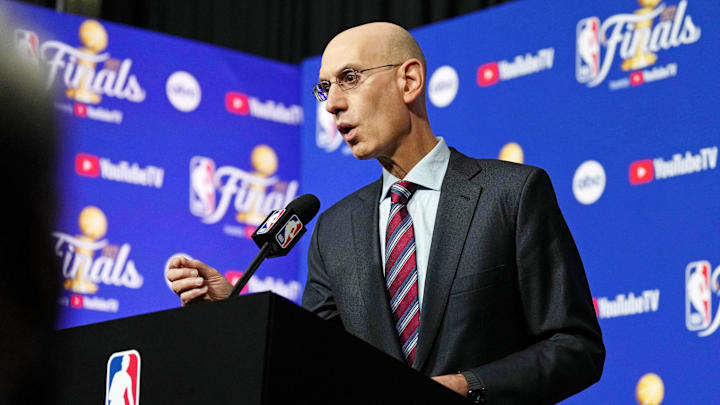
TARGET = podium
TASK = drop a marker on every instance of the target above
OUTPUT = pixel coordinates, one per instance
(254, 349)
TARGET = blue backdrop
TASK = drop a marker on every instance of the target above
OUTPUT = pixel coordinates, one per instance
(171, 146)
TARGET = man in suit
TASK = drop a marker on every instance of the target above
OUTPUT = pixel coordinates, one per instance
(462, 268)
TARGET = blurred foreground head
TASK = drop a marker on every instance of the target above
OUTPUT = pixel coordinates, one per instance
(29, 281)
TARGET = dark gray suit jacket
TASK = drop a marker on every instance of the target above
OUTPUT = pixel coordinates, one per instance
(505, 297)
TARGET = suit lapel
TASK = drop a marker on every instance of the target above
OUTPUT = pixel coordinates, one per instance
(458, 200)
(381, 327)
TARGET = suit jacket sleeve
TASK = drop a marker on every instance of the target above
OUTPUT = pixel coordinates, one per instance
(567, 353)
(318, 296)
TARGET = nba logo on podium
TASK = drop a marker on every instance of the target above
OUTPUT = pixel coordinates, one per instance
(122, 386)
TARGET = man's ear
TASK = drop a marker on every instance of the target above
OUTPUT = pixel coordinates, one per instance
(413, 79)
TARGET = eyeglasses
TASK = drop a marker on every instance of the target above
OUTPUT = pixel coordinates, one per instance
(348, 79)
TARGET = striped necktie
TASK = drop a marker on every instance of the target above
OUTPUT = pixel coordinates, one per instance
(401, 270)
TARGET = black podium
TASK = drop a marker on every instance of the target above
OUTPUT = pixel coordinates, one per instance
(255, 349)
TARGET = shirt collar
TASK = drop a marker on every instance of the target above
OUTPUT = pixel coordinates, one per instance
(427, 173)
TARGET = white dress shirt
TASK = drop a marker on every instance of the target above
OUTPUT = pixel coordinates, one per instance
(427, 173)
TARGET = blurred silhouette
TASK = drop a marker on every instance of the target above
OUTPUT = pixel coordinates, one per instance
(30, 281)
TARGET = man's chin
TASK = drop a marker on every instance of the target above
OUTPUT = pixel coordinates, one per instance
(359, 152)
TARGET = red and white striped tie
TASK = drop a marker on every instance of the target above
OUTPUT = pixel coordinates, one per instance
(401, 276)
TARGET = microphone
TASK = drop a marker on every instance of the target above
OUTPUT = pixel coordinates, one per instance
(279, 233)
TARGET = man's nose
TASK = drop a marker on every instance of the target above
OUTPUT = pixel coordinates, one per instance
(336, 101)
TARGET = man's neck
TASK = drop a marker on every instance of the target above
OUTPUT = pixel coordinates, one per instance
(408, 153)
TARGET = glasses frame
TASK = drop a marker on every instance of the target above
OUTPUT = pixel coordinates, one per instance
(322, 95)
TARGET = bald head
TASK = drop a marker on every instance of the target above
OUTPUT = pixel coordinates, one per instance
(376, 44)
(382, 42)
(373, 76)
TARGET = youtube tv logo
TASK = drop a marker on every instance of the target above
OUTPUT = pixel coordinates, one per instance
(87, 165)
(641, 172)
(80, 110)
(488, 74)
(521, 65)
(76, 301)
(595, 304)
(233, 276)
(237, 103)
(637, 78)
(272, 110)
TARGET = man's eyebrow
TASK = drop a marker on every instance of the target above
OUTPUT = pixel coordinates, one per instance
(345, 67)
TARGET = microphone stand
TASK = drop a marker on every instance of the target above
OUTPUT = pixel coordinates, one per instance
(264, 250)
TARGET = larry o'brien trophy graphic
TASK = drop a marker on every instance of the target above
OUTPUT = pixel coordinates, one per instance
(512, 152)
(95, 39)
(642, 57)
(265, 162)
(650, 390)
(93, 226)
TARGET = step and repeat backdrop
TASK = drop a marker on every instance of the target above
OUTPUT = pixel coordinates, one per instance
(174, 147)
(168, 147)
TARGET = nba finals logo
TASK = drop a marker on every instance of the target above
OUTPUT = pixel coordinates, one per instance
(701, 283)
(122, 384)
(80, 67)
(636, 38)
(253, 194)
(82, 269)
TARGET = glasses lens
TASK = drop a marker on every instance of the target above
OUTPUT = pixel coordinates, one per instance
(350, 80)
(319, 92)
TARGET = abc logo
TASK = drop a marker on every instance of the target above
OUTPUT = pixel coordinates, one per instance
(589, 182)
(183, 91)
(443, 86)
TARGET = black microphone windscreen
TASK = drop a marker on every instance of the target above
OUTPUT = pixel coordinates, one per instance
(306, 206)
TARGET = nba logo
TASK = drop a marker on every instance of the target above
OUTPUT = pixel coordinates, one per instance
(202, 186)
(288, 233)
(587, 57)
(122, 385)
(28, 46)
(270, 221)
(698, 295)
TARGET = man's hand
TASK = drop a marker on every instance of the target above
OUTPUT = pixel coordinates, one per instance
(455, 382)
(195, 281)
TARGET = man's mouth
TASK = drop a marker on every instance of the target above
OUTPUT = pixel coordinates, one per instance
(346, 130)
